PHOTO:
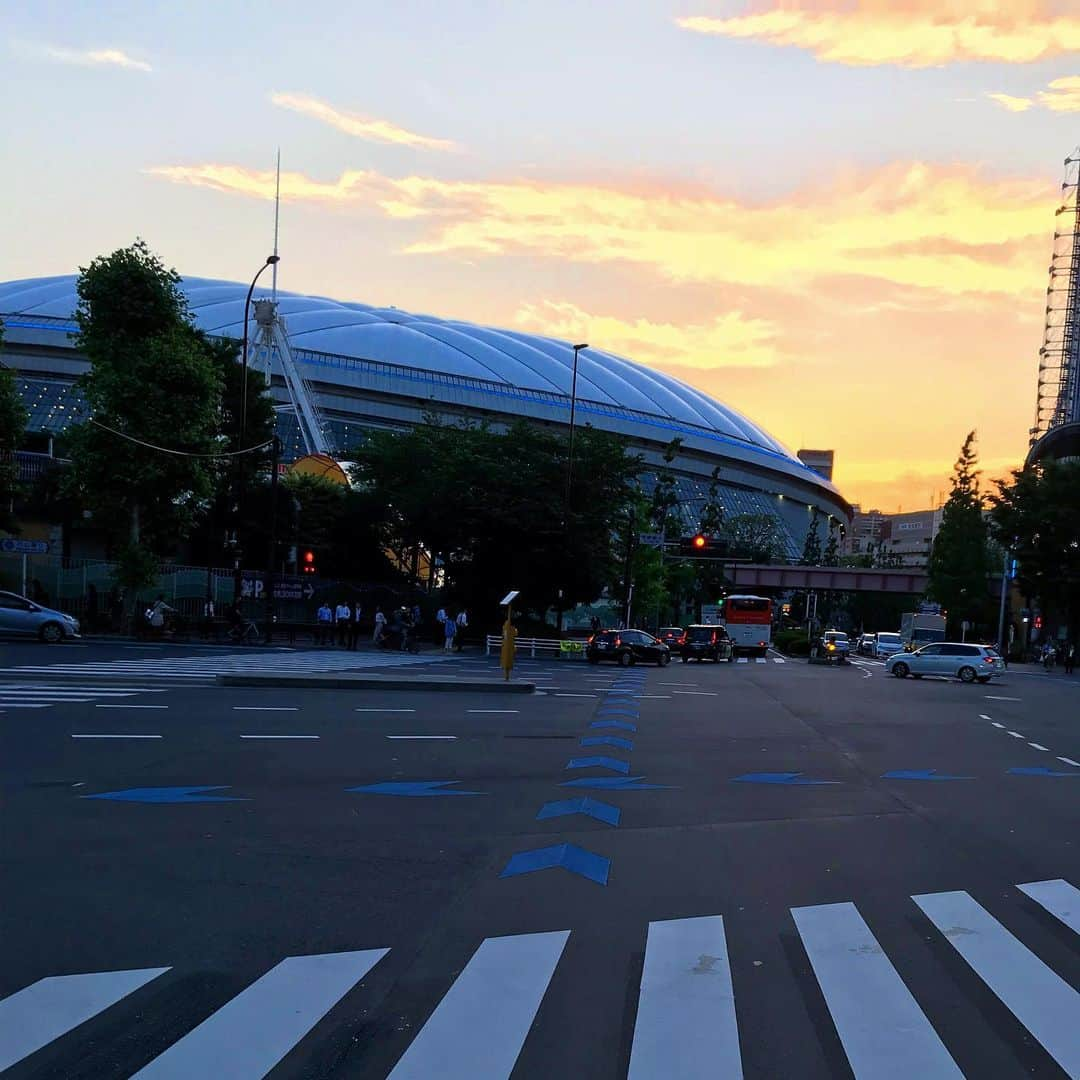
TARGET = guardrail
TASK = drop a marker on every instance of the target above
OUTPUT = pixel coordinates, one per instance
(565, 650)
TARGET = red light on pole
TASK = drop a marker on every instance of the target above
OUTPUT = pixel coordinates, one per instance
(308, 561)
(699, 542)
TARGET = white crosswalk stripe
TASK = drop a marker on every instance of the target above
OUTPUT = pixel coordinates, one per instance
(686, 1023)
(206, 667)
(25, 696)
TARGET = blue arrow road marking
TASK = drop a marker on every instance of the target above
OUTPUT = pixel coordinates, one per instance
(620, 725)
(598, 762)
(593, 808)
(586, 864)
(921, 774)
(608, 740)
(1039, 771)
(167, 794)
(615, 783)
(415, 789)
(793, 779)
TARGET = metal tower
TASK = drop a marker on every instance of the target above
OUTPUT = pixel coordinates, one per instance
(1059, 358)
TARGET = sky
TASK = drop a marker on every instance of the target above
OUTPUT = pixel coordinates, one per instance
(835, 216)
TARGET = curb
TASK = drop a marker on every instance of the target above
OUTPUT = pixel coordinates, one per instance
(343, 681)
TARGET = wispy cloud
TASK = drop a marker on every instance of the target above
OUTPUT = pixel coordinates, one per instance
(729, 340)
(1062, 96)
(906, 33)
(93, 57)
(362, 127)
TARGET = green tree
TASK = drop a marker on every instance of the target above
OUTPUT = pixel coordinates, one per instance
(153, 382)
(958, 560)
(831, 555)
(811, 553)
(1036, 515)
(665, 498)
(753, 536)
(12, 428)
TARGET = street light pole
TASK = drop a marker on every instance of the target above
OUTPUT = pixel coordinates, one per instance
(569, 473)
(271, 556)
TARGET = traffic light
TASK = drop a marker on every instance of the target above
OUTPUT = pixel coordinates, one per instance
(307, 562)
(697, 545)
(1038, 622)
(700, 542)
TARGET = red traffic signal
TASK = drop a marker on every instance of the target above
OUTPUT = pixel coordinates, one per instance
(699, 542)
(307, 561)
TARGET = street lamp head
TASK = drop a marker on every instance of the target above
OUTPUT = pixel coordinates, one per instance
(577, 348)
(271, 259)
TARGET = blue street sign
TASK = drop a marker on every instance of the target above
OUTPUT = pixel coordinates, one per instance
(621, 725)
(166, 795)
(608, 740)
(615, 783)
(586, 864)
(412, 789)
(593, 808)
(791, 779)
(921, 774)
(598, 762)
(1040, 771)
(25, 547)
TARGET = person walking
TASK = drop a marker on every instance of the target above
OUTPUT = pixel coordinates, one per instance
(462, 624)
(207, 618)
(509, 647)
(342, 618)
(324, 624)
(449, 630)
(354, 627)
(158, 610)
(1070, 657)
(380, 626)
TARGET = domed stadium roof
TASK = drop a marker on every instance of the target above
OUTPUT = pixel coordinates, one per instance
(448, 347)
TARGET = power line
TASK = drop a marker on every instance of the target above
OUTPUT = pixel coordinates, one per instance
(180, 453)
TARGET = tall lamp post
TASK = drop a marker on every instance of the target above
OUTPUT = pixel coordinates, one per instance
(569, 467)
(271, 260)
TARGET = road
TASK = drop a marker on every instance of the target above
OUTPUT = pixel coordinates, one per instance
(786, 870)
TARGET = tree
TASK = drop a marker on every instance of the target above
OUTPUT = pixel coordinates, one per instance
(153, 382)
(12, 427)
(831, 554)
(665, 498)
(753, 536)
(811, 553)
(1036, 516)
(958, 561)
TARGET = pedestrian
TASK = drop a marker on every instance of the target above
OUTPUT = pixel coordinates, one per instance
(158, 610)
(380, 626)
(509, 647)
(462, 622)
(342, 618)
(449, 630)
(354, 626)
(1070, 657)
(594, 624)
(324, 625)
(1049, 656)
(207, 623)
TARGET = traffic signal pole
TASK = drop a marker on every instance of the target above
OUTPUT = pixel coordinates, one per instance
(271, 553)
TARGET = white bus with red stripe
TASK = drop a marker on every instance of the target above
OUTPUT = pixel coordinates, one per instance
(749, 623)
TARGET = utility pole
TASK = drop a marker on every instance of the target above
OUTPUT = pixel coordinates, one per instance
(271, 554)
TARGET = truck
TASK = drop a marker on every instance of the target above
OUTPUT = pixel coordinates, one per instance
(918, 628)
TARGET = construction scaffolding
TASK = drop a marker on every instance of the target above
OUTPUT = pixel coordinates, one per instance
(1059, 358)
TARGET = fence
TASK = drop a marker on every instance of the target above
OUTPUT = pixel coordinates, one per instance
(566, 650)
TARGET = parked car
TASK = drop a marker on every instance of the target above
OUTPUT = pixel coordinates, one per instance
(887, 644)
(627, 647)
(670, 635)
(968, 663)
(705, 643)
(866, 644)
(20, 617)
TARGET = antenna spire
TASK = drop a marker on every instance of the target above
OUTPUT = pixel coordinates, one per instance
(277, 210)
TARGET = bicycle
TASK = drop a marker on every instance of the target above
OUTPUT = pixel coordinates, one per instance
(246, 633)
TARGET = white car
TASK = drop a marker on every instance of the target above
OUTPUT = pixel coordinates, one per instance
(968, 663)
(886, 645)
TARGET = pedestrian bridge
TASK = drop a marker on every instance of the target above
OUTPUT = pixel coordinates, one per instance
(751, 576)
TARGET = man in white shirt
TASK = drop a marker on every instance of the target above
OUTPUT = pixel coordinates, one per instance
(380, 625)
(462, 626)
(342, 617)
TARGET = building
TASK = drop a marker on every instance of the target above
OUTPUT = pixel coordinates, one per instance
(911, 536)
(868, 528)
(821, 461)
(363, 367)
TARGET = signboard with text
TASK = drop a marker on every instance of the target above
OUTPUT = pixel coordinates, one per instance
(24, 547)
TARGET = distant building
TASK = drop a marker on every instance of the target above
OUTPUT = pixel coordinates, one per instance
(911, 536)
(821, 461)
(868, 529)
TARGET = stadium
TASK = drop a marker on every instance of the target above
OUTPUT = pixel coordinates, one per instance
(359, 367)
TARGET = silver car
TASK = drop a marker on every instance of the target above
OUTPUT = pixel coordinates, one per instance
(20, 617)
(886, 645)
(968, 663)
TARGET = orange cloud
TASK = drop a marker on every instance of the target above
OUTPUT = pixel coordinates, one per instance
(362, 127)
(1062, 95)
(946, 229)
(729, 340)
(906, 33)
(1012, 104)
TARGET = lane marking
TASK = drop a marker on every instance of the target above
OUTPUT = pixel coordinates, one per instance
(251, 1033)
(131, 706)
(678, 684)
(997, 725)
(117, 736)
(994, 697)
(266, 708)
(1039, 998)
(496, 712)
(1036, 746)
(1069, 761)
(64, 694)
(983, 716)
(280, 736)
(83, 689)
(698, 693)
(31, 705)
(449, 737)
(883, 1030)
(386, 710)
(479, 1027)
(655, 697)
(49, 1008)
(1058, 897)
(1015, 734)
(576, 695)
(686, 1024)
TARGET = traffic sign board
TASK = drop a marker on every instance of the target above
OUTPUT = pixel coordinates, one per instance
(651, 539)
(25, 547)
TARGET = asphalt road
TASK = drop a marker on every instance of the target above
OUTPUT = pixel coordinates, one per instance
(730, 886)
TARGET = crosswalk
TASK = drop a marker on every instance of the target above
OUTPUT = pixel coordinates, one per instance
(44, 695)
(685, 1020)
(205, 667)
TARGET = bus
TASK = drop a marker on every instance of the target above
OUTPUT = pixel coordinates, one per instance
(749, 623)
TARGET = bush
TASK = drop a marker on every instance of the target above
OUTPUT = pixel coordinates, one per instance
(792, 642)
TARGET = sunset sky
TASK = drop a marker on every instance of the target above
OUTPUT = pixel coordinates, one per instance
(834, 215)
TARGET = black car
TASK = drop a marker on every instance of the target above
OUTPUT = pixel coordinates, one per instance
(705, 643)
(670, 635)
(627, 647)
